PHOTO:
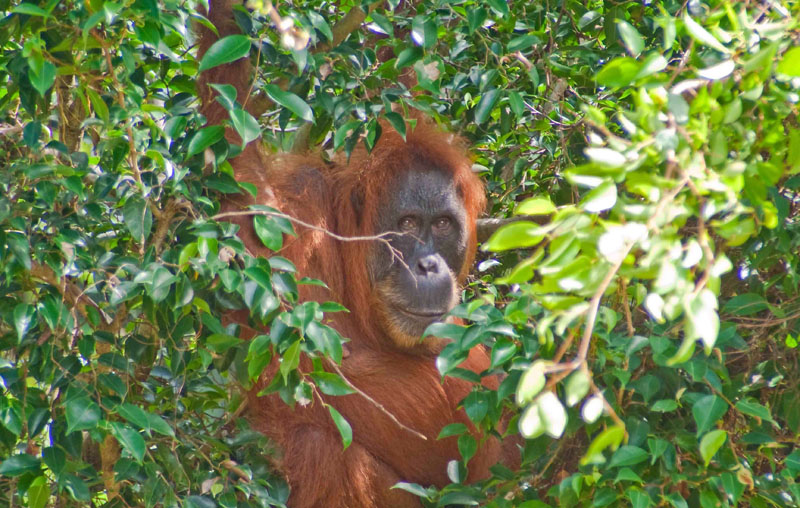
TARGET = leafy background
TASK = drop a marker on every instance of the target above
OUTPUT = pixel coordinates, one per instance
(643, 307)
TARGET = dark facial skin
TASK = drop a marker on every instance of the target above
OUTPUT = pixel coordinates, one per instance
(424, 207)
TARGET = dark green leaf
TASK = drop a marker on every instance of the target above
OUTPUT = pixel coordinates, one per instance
(486, 104)
(344, 428)
(291, 102)
(745, 304)
(130, 440)
(138, 218)
(751, 407)
(82, 414)
(331, 384)
(17, 465)
(628, 456)
(204, 138)
(225, 50)
(706, 411)
(23, 317)
(42, 74)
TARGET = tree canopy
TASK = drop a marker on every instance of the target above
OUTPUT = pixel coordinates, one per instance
(640, 299)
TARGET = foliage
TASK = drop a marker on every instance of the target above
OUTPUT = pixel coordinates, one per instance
(652, 149)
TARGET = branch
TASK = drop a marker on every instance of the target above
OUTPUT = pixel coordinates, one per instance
(377, 404)
(345, 26)
(383, 237)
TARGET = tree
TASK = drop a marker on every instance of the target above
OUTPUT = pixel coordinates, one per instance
(642, 302)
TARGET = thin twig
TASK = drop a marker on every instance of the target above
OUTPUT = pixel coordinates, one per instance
(382, 237)
(377, 404)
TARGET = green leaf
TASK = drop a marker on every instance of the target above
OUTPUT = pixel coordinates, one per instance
(500, 7)
(630, 37)
(522, 43)
(702, 320)
(408, 56)
(76, 487)
(130, 439)
(138, 218)
(790, 62)
(30, 9)
(82, 414)
(701, 35)
(552, 413)
(531, 382)
(792, 461)
(268, 232)
(160, 284)
(225, 50)
(486, 104)
(423, 31)
(609, 438)
(23, 317)
(413, 488)
(38, 492)
(601, 198)
(753, 408)
(246, 126)
(454, 429)
(382, 22)
(290, 360)
(331, 384)
(536, 206)
(502, 351)
(291, 102)
(664, 406)
(341, 424)
(476, 17)
(21, 248)
(134, 414)
(98, 105)
(204, 138)
(467, 446)
(17, 465)
(638, 498)
(515, 235)
(476, 406)
(707, 410)
(745, 304)
(42, 74)
(221, 343)
(605, 157)
(397, 122)
(517, 103)
(618, 72)
(627, 456)
(654, 62)
(710, 443)
(576, 387)
(158, 424)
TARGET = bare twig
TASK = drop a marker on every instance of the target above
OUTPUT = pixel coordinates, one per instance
(377, 404)
(382, 237)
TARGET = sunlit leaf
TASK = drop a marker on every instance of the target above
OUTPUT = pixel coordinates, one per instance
(710, 443)
(702, 35)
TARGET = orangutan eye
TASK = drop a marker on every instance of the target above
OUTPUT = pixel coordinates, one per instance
(407, 224)
(442, 225)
